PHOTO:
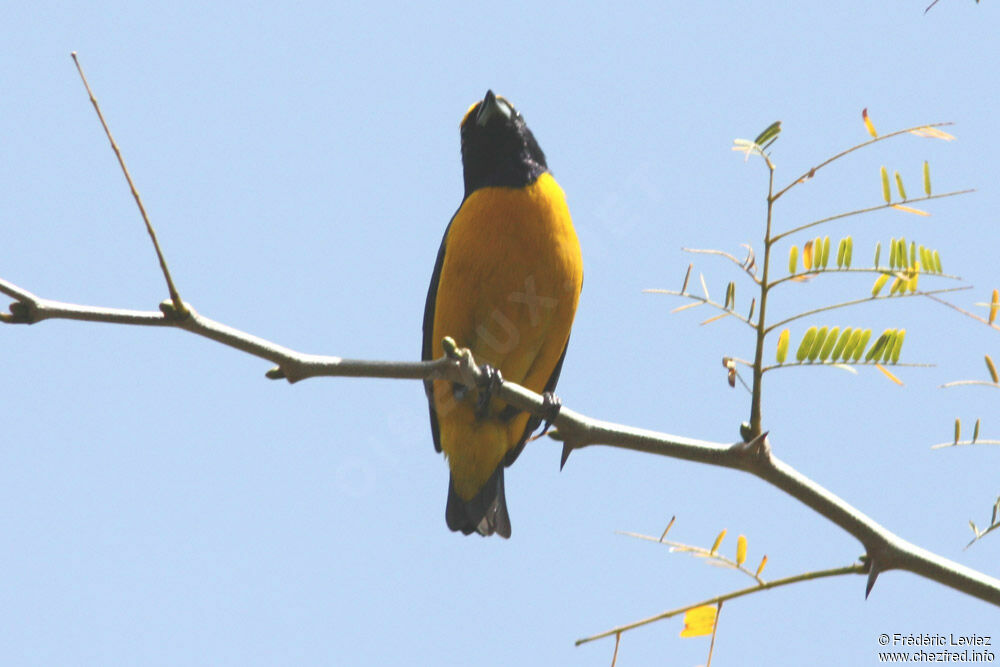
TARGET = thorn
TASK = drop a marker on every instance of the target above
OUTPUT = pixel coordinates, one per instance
(872, 576)
(567, 450)
(758, 446)
(874, 569)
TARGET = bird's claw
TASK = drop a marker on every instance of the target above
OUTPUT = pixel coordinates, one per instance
(489, 382)
(551, 405)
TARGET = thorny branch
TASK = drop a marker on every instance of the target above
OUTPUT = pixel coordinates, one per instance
(885, 550)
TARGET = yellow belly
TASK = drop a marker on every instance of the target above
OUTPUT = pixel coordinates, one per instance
(508, 290)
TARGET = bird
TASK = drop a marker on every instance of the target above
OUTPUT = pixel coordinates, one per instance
(506, 285)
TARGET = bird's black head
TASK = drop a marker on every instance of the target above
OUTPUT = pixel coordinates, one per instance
(498, 149)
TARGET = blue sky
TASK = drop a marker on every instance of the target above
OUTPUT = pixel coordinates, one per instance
(162, 503)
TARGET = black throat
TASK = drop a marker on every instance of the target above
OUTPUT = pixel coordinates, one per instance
(501, 153)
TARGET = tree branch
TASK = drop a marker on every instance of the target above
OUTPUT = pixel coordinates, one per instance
(885, 550)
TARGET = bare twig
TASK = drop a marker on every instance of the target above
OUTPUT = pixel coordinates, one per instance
(699, 301)
(812, 172)
(715, 631)
(679, 547)
(855, 302)
(857, 568)
(793, 230)
(745, 266)
(815, 273)
(843, 365)
(964, 443)
(985, 321)
(969, 383)
(175, 297)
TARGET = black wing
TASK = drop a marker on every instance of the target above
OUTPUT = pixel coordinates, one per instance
(534, 420)
(428, 345)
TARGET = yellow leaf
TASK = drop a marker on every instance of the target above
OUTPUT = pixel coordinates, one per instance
(868, 122)
(863, 339)
(807, 255)
(909, 209)
(899, 185)
(994, 305)
(889, 375)
(993, 369)
(932, 133)
(793, 259)
(699, 621)
(718, 541)
(806, 345)
(879, 284)
(831, 340)
(897, 345)
(927, 179)
(817, 345)
(760, 568)
(878, 347)
(913, 276)
(886, 193)
(841, 345)
(782, 346)
(898, 285)
(958, 429)
(741, 550)
(975, 432)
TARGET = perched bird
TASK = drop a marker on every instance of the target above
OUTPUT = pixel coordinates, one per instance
(506, 285)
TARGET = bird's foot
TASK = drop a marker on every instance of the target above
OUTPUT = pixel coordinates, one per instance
(488, 383)
(551, 405)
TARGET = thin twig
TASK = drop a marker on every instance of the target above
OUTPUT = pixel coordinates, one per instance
(992, 325)
(855, 302)
(857, 568)
(715, 631)
(722, 253)
(681, 547)
(981, 535)
(846, 365)
(880, 207)
(964, 443)
(812, 172)
(701, 300)
(815, 273)
(969, 383)
(174, 295)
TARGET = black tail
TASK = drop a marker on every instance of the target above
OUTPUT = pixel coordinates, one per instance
(485, 514)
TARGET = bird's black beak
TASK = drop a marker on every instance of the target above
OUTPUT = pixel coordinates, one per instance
(490, 108)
